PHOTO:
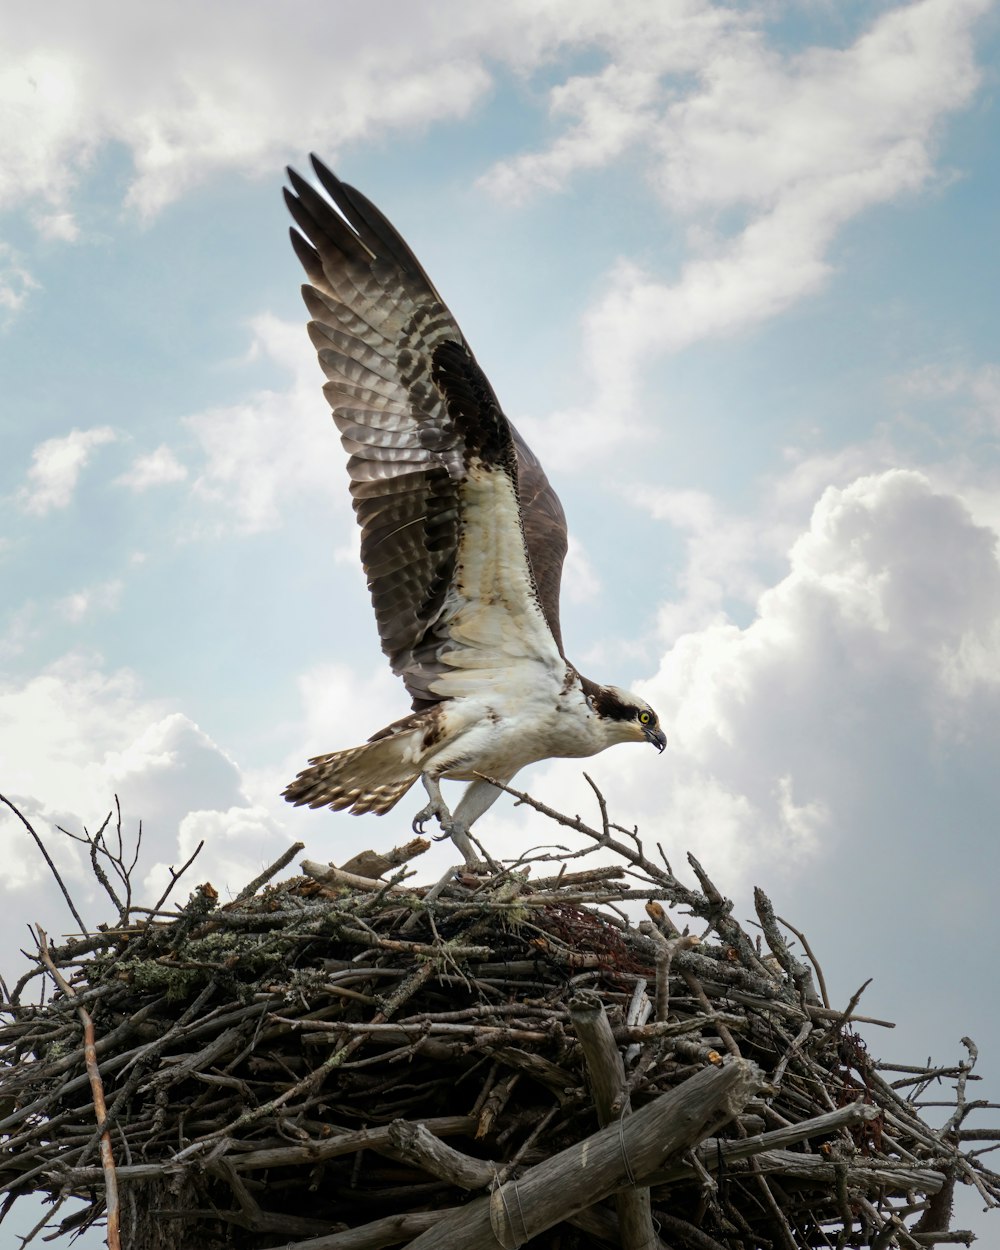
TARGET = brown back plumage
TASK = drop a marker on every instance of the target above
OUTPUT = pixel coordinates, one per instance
(413, 409)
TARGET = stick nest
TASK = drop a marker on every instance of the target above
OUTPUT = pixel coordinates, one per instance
(347, 1060)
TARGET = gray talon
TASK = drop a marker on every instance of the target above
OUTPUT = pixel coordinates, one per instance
(457, 830)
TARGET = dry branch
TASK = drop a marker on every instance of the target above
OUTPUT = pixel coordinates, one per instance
(97, 1093)
(344, 1061)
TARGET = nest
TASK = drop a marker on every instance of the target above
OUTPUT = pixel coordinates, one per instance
(346, 1060)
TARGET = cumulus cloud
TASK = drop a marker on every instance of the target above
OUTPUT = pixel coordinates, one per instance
(156, 468)
(56, 466)
(260, 454)
(875, 649)
(76, 735)
(696, 79)
(730, 557)
(726, 555)
(788, 146)
(871, 665)
(760, 155)
(341, 706)
(651, 48)
(155, 85)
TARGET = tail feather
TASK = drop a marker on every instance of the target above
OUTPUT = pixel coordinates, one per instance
(369, 778)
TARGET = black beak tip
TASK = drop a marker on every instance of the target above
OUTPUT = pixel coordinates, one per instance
(659, 739)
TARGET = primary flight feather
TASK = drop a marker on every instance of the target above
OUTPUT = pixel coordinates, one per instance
(462, 537)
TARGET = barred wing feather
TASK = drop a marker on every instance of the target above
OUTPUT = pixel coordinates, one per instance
(462, 537)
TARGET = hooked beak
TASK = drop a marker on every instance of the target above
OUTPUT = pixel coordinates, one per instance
(657, 737)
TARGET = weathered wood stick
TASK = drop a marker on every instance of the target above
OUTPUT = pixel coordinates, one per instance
(417, 1145)
(563, 880)
(252, 887)
(108, 1171)
(711, 1151)
(374, 864)
(610, 1089)
(588, 1171)
(890, 1177)
(800, 973)
(330, 875)
(282, 1156)
(389, 1231)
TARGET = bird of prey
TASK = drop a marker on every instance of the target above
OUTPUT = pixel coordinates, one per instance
(462, 537)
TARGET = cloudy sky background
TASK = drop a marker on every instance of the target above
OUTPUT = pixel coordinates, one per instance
(731, 269)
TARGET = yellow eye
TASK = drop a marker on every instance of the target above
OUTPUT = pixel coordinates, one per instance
(644, 718)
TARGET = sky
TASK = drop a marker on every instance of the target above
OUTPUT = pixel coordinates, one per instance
(731, 269)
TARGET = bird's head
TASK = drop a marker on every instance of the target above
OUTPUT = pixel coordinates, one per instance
(627, 717)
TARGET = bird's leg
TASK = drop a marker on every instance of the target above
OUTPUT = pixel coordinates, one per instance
(478, 797)
(436, 807)
(452, 828)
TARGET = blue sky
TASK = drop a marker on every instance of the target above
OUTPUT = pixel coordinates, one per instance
(731, 269)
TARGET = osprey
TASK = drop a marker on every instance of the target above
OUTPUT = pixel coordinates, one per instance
(462, 537)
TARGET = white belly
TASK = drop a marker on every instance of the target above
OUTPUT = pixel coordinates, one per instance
(500, 736)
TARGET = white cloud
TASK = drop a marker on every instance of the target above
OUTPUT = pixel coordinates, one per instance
(973, 392)
(581, 582)
(56, 466)
(870, 669)
(104, 597)
(61, 227)
(16, 283)
(239, 842)
(653, 47)
(731, 557)
(790, 146)
(154, 84)
(342, 708)
(262, 453)
(724, 555)
(889, 614)
(892, 578)
(75, 736)
(694, 79)
(156, 468)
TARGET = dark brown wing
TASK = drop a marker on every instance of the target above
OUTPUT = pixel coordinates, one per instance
(544, 525)
(416, 415)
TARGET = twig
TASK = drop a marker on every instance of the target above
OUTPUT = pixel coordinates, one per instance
(97, 1091)
(176, 874)
(811, 957)
(47, 857)
(282, 861)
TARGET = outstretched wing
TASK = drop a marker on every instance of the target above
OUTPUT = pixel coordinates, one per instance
(434, 464)
(544, 524)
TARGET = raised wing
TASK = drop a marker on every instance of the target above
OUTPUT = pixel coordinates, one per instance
(434, 464)
(544, 524)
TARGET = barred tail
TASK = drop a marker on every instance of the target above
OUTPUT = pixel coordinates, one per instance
(369, 778)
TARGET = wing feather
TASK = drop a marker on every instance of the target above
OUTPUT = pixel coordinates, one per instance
(462, 537)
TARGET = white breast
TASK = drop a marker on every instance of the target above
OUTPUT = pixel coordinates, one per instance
(515, 726)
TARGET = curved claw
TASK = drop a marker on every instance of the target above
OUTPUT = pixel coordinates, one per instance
(425, 813)
(457, 830)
